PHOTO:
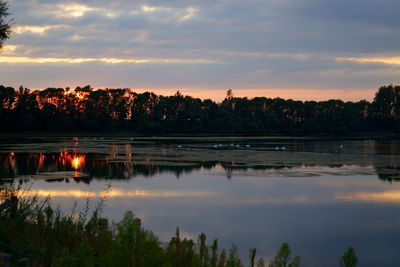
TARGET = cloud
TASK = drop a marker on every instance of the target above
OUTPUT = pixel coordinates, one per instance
(77, 10)
(191, 12)
(41, 60)
(9, 49)
(383, 60)
(21, 29)
(289, 44)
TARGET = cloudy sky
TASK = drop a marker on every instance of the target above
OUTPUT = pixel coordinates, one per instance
(302, 49)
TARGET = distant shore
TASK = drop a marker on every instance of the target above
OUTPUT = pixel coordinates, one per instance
(120, 111)
(110, 134)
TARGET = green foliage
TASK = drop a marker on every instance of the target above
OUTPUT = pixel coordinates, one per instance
(284, 258)
(261, 263)
(83, 256)
(349, 259)
(233, 258)
(203, 250)
(214, 254)
(222, 259)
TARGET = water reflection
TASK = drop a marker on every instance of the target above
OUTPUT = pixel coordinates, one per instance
(16, 165)
(120, 193)
(316, 195)
(78, 161)
(380, 197)
(86, 167)
(319, 216)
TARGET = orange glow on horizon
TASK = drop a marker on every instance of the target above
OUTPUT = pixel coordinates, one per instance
(219, 95)
(111, 60)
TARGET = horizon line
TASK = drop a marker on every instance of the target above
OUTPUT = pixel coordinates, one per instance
(299, 94)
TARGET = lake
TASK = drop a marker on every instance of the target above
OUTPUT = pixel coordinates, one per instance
(320, 195)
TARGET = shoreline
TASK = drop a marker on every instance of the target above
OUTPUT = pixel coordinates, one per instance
(201, 136)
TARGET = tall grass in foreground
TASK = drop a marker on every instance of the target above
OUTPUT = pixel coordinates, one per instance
(36, 234)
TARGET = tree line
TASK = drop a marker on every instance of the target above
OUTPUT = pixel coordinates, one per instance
(87, 109)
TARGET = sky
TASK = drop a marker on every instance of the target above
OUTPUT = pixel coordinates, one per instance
(300, 49)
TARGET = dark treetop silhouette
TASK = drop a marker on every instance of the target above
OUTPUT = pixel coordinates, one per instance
(5, 28)
(86, 109)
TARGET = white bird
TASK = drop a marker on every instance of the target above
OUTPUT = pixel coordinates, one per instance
(341, 146)
(283, 148)
(276, 148)
(180, 146)
(247, 145)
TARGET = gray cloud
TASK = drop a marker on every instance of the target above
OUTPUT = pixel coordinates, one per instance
(257, 44)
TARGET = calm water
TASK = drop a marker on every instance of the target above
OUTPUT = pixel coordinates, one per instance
(319, 195)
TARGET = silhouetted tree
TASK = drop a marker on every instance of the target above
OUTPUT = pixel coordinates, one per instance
(252, 256)
(233, 258)
(5, 27)
(284, 258)
(261, 263)
(349, 259)
(181, 253)
(26, 111)
(58, 109)
(214, 254)
(385, 108)
(97, 113)
(7, 100)
(222, 259)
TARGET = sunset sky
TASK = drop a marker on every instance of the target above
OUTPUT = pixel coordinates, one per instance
(301, 49)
